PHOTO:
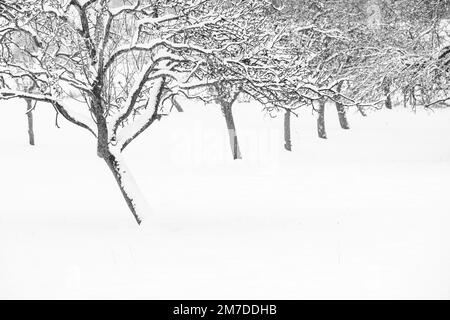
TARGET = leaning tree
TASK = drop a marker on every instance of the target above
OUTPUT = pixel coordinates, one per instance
(123, 58)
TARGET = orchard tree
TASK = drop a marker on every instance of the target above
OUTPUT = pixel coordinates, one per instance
(399, 54)
(124, 59)
(18, 80)
(312, 49)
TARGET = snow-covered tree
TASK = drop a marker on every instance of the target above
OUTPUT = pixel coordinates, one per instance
(19, 80)
(124, 58)
(310, 48)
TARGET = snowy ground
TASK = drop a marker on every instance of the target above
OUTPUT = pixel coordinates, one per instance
(364, 214)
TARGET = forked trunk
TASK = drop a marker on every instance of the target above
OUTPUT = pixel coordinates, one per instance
(226, 108)
(135, 201)
(287, 131)
(321, 120)
(30, 122)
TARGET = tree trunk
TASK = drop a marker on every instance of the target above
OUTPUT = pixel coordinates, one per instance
(134, 199)
(425, 99)
(287, 131)
(405, 99)
(177, 105)
(342, 116)
(387, 92)
(321, 120)
(361, 110)
(388, 102)
(30, 122)
(226, 109)
(413, 99)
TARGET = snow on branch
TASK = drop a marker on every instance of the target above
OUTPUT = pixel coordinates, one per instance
(144, 120)
(72, 116)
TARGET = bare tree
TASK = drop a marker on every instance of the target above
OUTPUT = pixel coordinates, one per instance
(321, 131)
(226, 99)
